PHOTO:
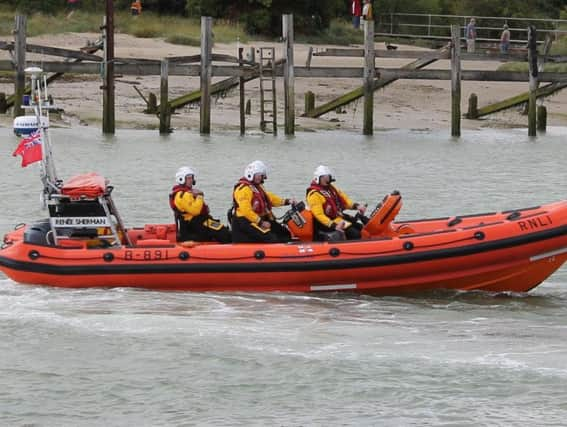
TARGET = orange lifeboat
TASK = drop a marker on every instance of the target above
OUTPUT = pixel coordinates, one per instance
(84, 243)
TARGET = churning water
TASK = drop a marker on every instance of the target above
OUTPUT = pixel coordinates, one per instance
(131, 357)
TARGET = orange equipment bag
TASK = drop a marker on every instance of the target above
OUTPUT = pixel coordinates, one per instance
(89, 185)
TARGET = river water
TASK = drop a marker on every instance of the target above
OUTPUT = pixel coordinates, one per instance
(132, 357)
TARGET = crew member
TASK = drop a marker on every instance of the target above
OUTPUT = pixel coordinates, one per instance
(192, 214)
(327, 203)
(252, 219)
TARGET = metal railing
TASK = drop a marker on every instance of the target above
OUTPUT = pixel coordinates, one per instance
(488, 28)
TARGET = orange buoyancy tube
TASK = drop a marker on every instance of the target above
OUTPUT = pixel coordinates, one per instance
(382, 216)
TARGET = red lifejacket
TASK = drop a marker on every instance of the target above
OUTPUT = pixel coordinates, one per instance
(334, 204)
(183, 189)
(260, 201)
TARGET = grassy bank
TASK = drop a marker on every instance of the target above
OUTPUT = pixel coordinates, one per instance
(173, 29)
(523, 67)
(179, 30)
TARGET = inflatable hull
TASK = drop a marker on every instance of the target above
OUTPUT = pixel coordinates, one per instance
(499, 252)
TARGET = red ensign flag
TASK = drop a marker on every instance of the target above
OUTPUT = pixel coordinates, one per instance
(30, 149)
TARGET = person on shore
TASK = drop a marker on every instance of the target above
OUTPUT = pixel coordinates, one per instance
(356, 11)
(471, 35)
(252, 217)
(327, 203)
(191, 212)
(505, 40)
(367, 12)
(72, 5)
(136, 8)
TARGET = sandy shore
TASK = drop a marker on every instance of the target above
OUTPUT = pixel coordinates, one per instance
(408, 104)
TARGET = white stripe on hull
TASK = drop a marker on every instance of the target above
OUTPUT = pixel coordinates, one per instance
(548, 254)
(333, 287)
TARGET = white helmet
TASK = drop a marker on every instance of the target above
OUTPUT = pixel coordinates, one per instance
(182, 172)
(257, 166)
(320, 171)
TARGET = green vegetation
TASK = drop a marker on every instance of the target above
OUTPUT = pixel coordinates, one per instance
(559, 47)
(523, 67)
(184, 40)
(315, 21)
(174, 29)
(339, 32)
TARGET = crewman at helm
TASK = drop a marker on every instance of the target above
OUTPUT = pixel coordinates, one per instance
(253, 220)
(192, 214)
(327, 203)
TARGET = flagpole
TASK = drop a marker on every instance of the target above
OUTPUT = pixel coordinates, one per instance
(48, 172)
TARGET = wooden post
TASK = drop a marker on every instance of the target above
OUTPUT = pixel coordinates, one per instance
(532, 62)
(108, 116)
(541, 118)
(455, 81)
(369, 75)
(20, 58)
(152, 104)
(472, 113)
(206, 73)
(309, 102)
(3, 103)
(242, 94)
(248, 109)
(309, 56)
(164, 108)
(289, 75)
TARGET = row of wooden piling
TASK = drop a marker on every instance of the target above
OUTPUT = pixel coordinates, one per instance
(372, 78)
(533, 112)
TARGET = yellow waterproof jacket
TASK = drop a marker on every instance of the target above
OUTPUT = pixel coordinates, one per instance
(244, 196)
(316, 202)
(189, 205)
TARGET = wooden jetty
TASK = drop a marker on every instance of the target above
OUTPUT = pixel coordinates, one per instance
(517, 100)
(522, 98)
(72, 56)
(379, 83)
(236, 71)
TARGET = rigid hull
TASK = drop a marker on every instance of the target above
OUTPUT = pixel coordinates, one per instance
(507, 251)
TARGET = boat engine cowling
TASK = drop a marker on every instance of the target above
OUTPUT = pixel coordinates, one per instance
(37, 233)
(383, 215)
